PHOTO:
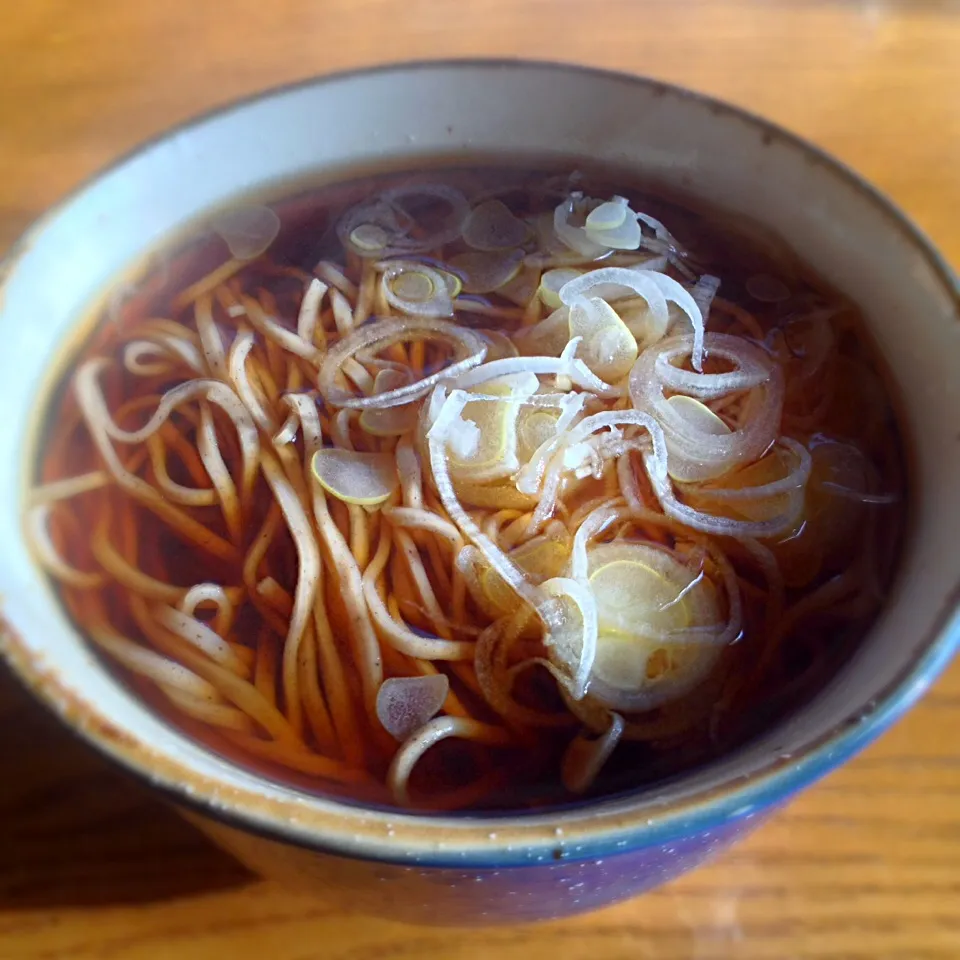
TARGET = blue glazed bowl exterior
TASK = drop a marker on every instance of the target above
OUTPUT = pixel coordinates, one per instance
(561, 885)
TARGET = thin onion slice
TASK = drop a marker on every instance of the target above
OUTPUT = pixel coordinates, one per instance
(390, 421)
(448, 412)
(661, 631)
(663, 240)
(469, 350)
(655, 462)
(247, 231)
(551, 283)
(491, 426)
(614, 224)
(572, 645)
(383, 226)
(752, 366)
(575, 237)
(415, 289)
(659, 290)
(366, 479)
(566, 365)
(585, 756)
(405, 704)
(703, 292)
(483, 271)
(778, 502)
(491, 226)
(698, 448)
(369, 239)
(522, 289)
(700, 417)
(608, 216)
(609, 348)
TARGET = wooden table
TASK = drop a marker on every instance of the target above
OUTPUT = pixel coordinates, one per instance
(867, 864)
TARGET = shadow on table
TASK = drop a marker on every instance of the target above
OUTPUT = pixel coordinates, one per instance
(74, 831)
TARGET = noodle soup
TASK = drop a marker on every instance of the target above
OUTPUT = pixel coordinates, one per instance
(478, 488)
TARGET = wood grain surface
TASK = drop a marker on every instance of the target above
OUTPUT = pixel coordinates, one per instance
(866, 864)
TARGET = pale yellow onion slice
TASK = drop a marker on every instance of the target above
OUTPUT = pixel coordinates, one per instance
(390, 421)
(551, 282)
(499, 496)
(613, 224)
(551, 251)
(646, 325)
(609, 348)
(491, 423)
(699, 416)
(566, 607)
(514, 386)
(600, 519)
(493, 453)
(369, 239)
(573, 234)
(536, 435)
(366, 479)
(608, 215)
(492, 226)
(530, 477)
(660, 628)
(655, 463)
(535, 427)
(405, 704)
(415, 289)
(541, 559)
(485, 271)
(635, 585)
(449, 408)
(453, 282)
(248, 231)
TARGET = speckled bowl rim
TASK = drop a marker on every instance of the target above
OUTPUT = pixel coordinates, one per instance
(593, 828)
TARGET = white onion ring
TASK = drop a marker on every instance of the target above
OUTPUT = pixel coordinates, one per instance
(656, 288)
(754, 366)
(382, 211)
(470, 351)
(694, 455)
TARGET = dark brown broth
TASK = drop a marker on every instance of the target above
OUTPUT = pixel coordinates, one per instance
(810, 657)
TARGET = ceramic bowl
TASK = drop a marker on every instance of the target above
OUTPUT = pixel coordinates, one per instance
(557, 862)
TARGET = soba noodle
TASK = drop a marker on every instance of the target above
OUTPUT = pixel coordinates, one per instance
(497, 501)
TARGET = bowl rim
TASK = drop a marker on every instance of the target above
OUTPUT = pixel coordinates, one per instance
(600, 826)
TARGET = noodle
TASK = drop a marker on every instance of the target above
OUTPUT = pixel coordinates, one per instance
(572, 519)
